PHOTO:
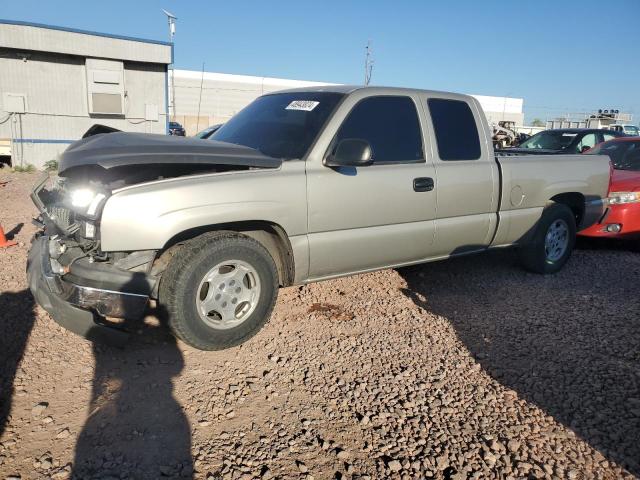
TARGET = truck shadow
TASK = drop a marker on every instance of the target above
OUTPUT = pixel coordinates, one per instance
(568, 343)
(628, 245)
(16, 318)
(135, 426)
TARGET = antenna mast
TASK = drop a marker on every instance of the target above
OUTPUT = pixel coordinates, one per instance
(171, 20)
(368, 64)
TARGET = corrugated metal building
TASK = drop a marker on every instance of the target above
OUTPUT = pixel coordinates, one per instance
(57, 82)
(502, 108)
(203, 99)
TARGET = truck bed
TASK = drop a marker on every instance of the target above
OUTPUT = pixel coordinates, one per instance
(529, 181)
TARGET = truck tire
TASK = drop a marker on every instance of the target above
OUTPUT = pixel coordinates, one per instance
(218, 290)
(552, 242)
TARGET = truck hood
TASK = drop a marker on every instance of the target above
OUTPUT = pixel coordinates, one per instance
(120, 149)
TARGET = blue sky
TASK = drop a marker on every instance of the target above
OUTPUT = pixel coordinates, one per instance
(560, 56)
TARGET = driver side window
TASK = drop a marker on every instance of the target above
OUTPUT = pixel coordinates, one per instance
(588, 141)
(390, 124)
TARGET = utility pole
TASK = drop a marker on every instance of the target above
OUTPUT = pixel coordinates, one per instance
(368, 64)
(171, 20)
(200, 98)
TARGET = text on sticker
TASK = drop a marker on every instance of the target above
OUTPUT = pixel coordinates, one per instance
(306, 105)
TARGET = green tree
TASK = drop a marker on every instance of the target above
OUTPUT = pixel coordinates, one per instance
(537, 123)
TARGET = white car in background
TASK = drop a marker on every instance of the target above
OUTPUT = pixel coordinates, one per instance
(630, 130)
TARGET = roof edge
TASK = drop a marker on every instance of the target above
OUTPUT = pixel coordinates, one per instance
(83, 32)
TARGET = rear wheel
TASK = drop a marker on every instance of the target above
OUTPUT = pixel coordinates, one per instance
(219, 290)
(552, 242)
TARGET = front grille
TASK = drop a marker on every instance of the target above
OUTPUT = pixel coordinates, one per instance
(63, 217)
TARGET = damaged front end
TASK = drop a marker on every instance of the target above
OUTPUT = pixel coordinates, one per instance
(86, 290)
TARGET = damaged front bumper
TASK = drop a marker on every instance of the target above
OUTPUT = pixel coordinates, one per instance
(80, 299)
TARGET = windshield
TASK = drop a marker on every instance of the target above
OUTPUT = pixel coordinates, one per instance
(631, 130)
(206, 133)
(549, 139)
(282, 125)
(623, 155)
(203, 133)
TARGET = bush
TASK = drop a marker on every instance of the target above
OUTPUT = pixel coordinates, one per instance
(28, 168)
(51, 165)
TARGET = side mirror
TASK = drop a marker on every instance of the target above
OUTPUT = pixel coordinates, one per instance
(350, 152)
(584, 148)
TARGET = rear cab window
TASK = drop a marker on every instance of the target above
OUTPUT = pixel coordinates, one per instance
(608, 136)
(455, 129)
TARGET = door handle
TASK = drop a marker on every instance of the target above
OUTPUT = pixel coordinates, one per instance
(423, 184)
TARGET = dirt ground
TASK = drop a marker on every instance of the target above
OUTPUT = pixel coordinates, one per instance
(470, 368)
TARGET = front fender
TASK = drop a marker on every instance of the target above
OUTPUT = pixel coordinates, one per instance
(147, 216)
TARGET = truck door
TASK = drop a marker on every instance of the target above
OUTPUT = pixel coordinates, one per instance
(379, 215)
(467, 189)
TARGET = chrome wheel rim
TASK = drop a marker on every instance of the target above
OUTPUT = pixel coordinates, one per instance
(228, 294)
(557, 240)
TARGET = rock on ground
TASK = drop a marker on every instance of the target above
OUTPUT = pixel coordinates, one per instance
(471, 368)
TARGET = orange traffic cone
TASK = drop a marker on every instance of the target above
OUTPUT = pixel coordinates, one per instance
(4, 243)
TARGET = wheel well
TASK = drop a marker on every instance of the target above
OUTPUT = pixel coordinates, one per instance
(575, 201)
(272, 237)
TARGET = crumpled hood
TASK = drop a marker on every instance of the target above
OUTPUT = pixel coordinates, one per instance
(110, 150)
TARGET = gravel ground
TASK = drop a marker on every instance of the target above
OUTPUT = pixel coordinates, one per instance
(470, 368)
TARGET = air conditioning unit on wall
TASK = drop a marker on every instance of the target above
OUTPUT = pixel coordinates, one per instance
(105, 87)
(14, 102)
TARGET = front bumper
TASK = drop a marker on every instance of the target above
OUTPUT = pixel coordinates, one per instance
(626, 216)
(76, 305)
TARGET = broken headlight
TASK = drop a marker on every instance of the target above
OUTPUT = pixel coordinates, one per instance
(87, 202)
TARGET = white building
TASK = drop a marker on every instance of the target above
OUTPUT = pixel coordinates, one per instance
(211, 98)
(502, 108)
(57, 82)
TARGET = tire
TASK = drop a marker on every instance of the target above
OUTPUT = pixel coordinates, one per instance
(552, 242)
(187, 291)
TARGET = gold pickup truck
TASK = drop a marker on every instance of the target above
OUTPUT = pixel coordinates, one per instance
(300, 186)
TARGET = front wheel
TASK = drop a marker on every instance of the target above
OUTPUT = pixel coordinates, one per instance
(218, 290)
(552, 242)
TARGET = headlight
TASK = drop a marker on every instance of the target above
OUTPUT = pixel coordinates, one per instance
(86, 201)
(617, 198)
(82, 197)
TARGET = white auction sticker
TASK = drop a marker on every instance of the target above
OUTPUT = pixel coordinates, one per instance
(306, 105)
